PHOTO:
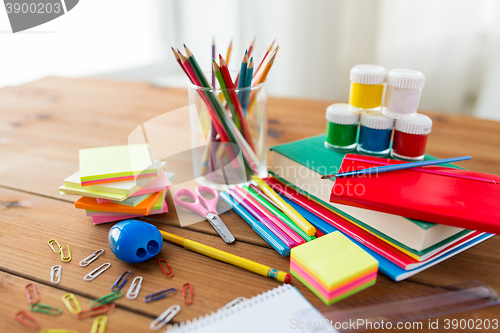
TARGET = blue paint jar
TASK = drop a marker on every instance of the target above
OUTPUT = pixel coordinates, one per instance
(375, 134)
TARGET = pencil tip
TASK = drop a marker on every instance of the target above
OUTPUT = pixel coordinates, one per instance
(246, 51)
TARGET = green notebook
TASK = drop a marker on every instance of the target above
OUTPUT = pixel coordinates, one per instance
(116, 162)
(301, 163)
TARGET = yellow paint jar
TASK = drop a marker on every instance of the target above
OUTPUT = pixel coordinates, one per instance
(367, 86)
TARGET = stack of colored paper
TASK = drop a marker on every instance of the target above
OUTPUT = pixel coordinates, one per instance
(119, 182)
(333, 267)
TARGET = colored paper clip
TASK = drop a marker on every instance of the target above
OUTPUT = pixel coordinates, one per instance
(47, 309)
(159, 295)
(96, 272)
(105, 299)
(135, 287)
(67, 298)
(57, 330)
(28, 289)
(87, 261)
(165, 317)
(233, 303)
(96, 311)
(115, 286)
(170, 273)
(99, 325)
(28, 321)
(51, 244)
(55, 274)
(187, 285)
(63, 257)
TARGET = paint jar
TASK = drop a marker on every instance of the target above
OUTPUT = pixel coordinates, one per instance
(410, 137)
(375, 134)
(367, 87)
(341, 127)
(402, 95)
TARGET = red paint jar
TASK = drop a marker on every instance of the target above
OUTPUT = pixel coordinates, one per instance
(410, 137)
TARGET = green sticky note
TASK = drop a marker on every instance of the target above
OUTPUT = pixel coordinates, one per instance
(116, 162)
(333, 259)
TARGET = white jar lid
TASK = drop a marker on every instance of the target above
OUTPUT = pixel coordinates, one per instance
(419, 124)
(376, 121)
(368, 74)
(406, 79)
(341, 114)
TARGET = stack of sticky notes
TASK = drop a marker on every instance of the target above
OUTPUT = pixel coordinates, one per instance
(333, 267)
(119, 182)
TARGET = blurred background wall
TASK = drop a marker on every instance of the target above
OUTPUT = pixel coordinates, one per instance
(455, 43)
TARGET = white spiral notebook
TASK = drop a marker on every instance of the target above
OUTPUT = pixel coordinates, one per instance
(282, 309)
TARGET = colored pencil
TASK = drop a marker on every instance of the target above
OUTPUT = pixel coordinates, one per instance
(208, 251)
(279, 223)
(286, 208)
(256, 225)
(266, 53)
(225, 92)
(395, 167)
(262, 74)
(242, 76)
(250, 48)
(234, 99)
(257, 213)
(213, 57)
(229, 50)
(248, 85)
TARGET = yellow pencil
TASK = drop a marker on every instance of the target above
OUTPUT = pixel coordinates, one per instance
(211, 252)
(301, 222)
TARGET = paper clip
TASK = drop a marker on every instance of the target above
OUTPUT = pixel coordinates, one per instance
(165, 317)
(51, 244)
(63, 257)
(67, 301)
(135, 287)
(96, 272)
(185, 286)
(55, 274)
(47, 309)
(233, 303)
(159, 295)
(27, 320)
(87, 261)
(32, 287)
(99, 325)
(105, 299)
(170, 273)
(57, 330)
(96, 311)
(115, 286)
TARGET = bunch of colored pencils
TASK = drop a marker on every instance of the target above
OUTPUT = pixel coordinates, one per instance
(229, 112)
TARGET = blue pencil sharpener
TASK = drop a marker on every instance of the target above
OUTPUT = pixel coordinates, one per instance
(134, 241)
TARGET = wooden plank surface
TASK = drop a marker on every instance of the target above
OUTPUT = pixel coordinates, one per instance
(45, 123)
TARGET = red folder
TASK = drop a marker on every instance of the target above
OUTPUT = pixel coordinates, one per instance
(438, 194)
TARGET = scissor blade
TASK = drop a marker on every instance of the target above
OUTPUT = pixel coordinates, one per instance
(220, 227)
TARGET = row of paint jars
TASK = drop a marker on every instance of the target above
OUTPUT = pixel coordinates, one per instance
(376, 122)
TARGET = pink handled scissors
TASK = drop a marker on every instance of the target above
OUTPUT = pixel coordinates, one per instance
(204, 207)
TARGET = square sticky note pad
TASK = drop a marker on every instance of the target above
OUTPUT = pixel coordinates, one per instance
(333, 267)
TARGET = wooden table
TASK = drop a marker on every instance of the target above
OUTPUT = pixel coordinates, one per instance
(43, 125)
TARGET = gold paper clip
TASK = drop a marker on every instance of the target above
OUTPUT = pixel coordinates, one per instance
(99, 325)
(63, 257)
(67, 301)
(27, 320)
(28, 289)
(55, 274)
(51, 244)
(87, 261)
(165, 317)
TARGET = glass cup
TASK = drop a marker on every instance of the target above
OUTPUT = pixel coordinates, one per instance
(221, 164)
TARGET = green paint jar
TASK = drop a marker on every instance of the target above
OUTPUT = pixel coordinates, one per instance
(341, 127)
